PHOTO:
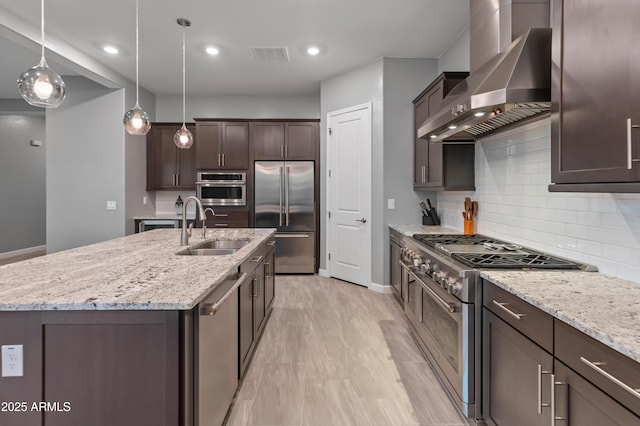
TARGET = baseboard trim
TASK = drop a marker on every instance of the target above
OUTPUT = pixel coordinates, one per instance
(23, 254)
(323, 273)
(379, 288)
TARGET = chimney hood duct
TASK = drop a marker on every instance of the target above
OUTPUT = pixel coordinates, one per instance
(514, 85)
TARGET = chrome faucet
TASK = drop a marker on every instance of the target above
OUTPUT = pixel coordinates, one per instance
(184, 236)
(204, 221)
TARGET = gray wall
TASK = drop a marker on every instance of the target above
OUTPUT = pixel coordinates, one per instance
(85, 166)
(169, 108)
(456, 57)
(135, 149)
(404, 79)
(353, 88)
(22, 181)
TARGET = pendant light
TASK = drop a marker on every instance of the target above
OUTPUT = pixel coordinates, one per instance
(40, 86)
(136, 121)
(183, 137)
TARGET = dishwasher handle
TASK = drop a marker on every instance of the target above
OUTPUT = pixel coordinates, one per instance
(213, 309)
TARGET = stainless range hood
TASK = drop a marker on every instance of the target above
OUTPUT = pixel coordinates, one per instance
(514, 85)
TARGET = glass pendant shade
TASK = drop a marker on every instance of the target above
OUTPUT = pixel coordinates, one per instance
(40, 86)
(136, 121)
(183, 138)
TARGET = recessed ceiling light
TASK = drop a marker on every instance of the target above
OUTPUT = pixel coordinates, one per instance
(313, 51)
(433, 136)
(111, 50)
(213, 51)
(453, 126)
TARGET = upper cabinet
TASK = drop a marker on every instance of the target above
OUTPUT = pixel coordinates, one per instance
(222, 145)
(294, 140)
(169, 167)
(595, 139)
(436, 165)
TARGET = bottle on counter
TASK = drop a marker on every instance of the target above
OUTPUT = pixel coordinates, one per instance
(179, 206)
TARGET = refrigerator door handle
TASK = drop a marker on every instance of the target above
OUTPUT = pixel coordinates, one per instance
(286, 194)
(280, 169)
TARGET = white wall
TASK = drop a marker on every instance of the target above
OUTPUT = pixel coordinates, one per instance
(404, 79)
(85, 166)
(22, 181)
(169, 108)
(456, 57)
(513, 170)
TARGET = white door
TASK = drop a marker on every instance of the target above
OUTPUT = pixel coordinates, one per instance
(349, 194)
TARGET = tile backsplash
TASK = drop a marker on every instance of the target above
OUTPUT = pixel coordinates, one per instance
(165, 202)
(513, 171)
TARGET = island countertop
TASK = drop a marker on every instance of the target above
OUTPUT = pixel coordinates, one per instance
(136, 272)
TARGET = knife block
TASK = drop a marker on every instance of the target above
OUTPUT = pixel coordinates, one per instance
(431, 219)
(427, 220)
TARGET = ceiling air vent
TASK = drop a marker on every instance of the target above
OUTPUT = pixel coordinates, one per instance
(270, 54)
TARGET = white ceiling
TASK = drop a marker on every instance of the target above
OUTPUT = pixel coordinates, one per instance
(349, 32)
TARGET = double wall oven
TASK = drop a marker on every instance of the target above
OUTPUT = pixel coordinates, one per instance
(440, 292)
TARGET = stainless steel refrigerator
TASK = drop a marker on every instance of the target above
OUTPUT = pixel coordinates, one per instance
(284, 199)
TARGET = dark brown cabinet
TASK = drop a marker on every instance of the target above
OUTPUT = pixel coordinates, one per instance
(515, 370)
(395, 269)
(579, 403)
(595, 141)
(437, 165)
(269, 274)
(290, 140)
(226, 218)
(222, 145)
(169, 167)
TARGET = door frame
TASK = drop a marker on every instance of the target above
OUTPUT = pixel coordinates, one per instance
(331, 114)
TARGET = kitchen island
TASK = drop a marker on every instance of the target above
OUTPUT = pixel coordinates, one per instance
(109, 331)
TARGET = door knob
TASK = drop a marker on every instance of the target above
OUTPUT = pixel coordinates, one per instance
(363, 220)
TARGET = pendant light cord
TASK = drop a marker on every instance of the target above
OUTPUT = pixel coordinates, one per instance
(42, 25)
(137, 42)
(183, 76)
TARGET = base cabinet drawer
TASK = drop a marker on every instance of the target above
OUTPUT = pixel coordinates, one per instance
(229, 219)
(580, 403)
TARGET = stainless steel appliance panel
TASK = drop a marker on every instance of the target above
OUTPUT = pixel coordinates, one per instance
(284, 195)
(284, 199)
(295, 252)
(149, 224)
(216, 330)
(222, 189)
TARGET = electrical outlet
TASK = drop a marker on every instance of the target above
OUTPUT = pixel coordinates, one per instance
(144, 200)
(111, 205)
(12, 363)
(391, 203)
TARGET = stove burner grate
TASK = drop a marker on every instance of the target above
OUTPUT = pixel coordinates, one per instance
(514, 261)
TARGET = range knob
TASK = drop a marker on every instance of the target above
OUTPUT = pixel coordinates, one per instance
(454, 286)
(426, 267)
(443, 279)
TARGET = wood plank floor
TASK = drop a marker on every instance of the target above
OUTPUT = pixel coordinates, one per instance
(334, 354)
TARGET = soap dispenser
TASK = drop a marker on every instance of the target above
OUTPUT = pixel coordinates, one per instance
(179, 206)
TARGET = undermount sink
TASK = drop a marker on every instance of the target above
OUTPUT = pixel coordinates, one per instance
(214, 248)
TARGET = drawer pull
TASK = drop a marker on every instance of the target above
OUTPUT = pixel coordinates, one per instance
(257, 259)
(596, 366)
(507, 310)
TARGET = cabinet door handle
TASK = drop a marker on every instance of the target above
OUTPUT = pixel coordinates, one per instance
(540, 404)
(286, 151)
(267, 266)
(219, 160)
(282, 151)
(255, 291)
(553, 402)
(596, 366)
(177, 179)
(223, 160)
(507, 310)
(630, 158)
(424, 174)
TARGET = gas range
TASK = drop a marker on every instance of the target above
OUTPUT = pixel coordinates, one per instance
(480, 252)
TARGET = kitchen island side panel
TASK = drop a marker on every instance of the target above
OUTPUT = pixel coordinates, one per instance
(98, 368)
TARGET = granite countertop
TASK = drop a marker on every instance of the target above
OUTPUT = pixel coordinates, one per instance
(136, 272)
(603, 307)
(409, 230)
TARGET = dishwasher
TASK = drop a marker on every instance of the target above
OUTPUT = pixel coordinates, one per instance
(216, 351)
